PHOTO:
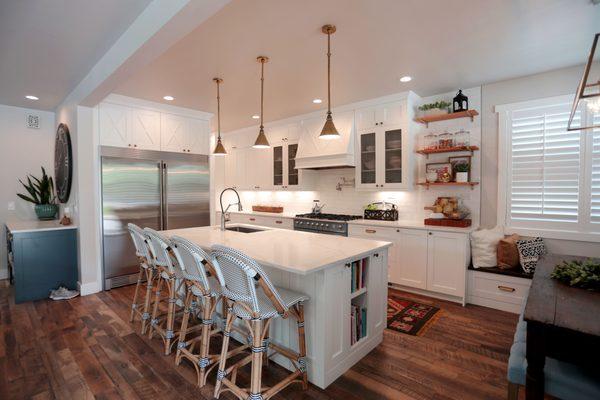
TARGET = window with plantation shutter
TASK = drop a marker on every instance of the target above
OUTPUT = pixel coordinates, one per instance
(549, 176)
(595, 173)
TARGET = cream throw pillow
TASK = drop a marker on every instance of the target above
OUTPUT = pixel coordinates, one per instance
(484, 247)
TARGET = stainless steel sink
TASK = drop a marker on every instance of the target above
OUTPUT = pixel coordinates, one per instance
(243, 229)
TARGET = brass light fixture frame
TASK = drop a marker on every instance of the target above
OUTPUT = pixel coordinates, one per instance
(261, 140)
(329, 130)
(219, 148)
(583, 85)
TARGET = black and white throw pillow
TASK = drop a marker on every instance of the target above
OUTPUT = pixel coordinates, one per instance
(530, 251)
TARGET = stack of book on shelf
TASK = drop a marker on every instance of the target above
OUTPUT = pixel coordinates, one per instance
(359, 274)
(358, 323)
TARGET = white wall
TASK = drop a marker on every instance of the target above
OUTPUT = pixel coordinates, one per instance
(22, 151)
(554, 83)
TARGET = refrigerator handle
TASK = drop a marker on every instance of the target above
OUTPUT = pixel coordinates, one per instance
(163, 203)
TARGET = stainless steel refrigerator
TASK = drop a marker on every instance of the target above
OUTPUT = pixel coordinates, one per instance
(159, 190)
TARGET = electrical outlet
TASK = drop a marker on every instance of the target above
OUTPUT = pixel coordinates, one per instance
(11, 206)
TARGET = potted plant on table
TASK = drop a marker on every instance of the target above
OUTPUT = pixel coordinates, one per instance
(41, 193)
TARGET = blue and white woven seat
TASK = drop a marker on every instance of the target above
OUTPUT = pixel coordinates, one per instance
(147, 270)
(203, 293)
(170, 277)
(252, 297)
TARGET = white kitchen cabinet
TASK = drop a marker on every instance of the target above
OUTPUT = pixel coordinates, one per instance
(115, 125)
(273, 221)
(145, 129)
(258, 169)
(447, 263)
(389, 114)
(426, 260)
(198, 136)
(412, 253)
(230, 168)
(174, 133)
(285, 174)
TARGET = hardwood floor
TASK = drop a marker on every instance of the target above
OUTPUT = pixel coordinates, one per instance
(85, 348)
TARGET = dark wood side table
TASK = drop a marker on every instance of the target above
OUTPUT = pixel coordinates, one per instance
(562, 323)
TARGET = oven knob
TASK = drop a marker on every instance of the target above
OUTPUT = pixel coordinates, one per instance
(339, 227)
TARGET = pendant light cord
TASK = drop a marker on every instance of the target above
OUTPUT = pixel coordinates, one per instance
(328, 73)
(262, 88)
(218, 111)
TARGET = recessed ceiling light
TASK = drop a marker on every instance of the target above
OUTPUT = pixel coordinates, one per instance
(317, 101)
(169, 98)
(256, 117)
(32, 97)
(405, 79)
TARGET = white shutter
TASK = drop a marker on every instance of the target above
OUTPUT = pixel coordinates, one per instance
(595, 168)
(545, 162)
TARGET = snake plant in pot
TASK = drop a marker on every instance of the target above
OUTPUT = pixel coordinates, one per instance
(41, 193)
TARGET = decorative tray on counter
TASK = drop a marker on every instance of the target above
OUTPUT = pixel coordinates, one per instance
(269, 209)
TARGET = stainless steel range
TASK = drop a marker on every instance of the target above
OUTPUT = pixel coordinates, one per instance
(332, 224)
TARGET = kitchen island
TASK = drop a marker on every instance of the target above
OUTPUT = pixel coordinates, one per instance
(345, 278)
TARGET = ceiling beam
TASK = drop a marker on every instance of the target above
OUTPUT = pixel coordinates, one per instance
(162, 24)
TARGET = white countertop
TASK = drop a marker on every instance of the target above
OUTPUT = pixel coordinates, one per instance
(294, 251)
(21, 226)
(411, 225)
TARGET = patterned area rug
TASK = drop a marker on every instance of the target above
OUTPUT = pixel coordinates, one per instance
(410, 317)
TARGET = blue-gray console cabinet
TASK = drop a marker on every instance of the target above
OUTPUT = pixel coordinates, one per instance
(41, 260)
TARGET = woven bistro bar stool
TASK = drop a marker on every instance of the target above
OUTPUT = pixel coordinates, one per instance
(169, 276)
(147, 270)
(202, 298)
(252, 298)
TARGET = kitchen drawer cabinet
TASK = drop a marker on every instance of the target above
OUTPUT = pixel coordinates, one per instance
(505, 293)
(262, 220)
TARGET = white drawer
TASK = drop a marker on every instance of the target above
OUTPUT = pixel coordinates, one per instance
(374, 232)
(497, 287)
(261, 220)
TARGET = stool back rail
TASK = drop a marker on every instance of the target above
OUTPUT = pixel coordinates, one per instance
(204, 290)
(147, 271)
(170, 275)
(251, 297)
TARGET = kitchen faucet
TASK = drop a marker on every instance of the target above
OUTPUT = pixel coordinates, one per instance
(317, 207)
(224, 219)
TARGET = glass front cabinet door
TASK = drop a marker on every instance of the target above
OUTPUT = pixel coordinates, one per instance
(285, 173)
(382, 152)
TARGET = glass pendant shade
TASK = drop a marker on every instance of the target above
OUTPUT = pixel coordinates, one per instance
(329, 131)
(219, 149)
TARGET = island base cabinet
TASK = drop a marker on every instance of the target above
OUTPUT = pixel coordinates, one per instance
(327, 317)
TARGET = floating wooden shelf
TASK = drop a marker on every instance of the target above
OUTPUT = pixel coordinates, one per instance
(444, 117)
(427, 184)
(457, 149)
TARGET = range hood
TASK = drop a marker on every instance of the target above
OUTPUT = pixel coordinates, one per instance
(316, 153)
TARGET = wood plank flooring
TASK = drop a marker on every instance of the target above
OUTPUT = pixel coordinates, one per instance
(85, 348)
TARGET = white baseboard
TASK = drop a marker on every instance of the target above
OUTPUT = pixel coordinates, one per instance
(89, 288)
(3, 274)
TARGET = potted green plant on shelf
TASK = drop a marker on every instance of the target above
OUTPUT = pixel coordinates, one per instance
(41, 193)
(461, 172)
(437, 108)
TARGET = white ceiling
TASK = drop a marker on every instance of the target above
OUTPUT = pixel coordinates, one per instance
(442, 44)
(48, 46)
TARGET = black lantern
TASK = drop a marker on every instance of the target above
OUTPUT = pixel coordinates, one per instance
(460, 102)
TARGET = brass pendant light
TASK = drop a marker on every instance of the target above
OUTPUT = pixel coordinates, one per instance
(261, 140)
(219, 148)
(329, 131)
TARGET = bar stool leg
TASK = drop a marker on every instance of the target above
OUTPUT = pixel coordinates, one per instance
(136, 293)
(155, 308)
(148, 299)
(169, 334)
(205, 341)
(302, 345)
(257, 358)
(184, 324)
(224, 351)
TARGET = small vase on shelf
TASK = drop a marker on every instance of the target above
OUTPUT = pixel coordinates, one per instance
(462, 177)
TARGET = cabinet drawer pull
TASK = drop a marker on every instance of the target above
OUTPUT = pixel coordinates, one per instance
(279, 222)
(506, 288)
(370, 230)
(252, 219)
